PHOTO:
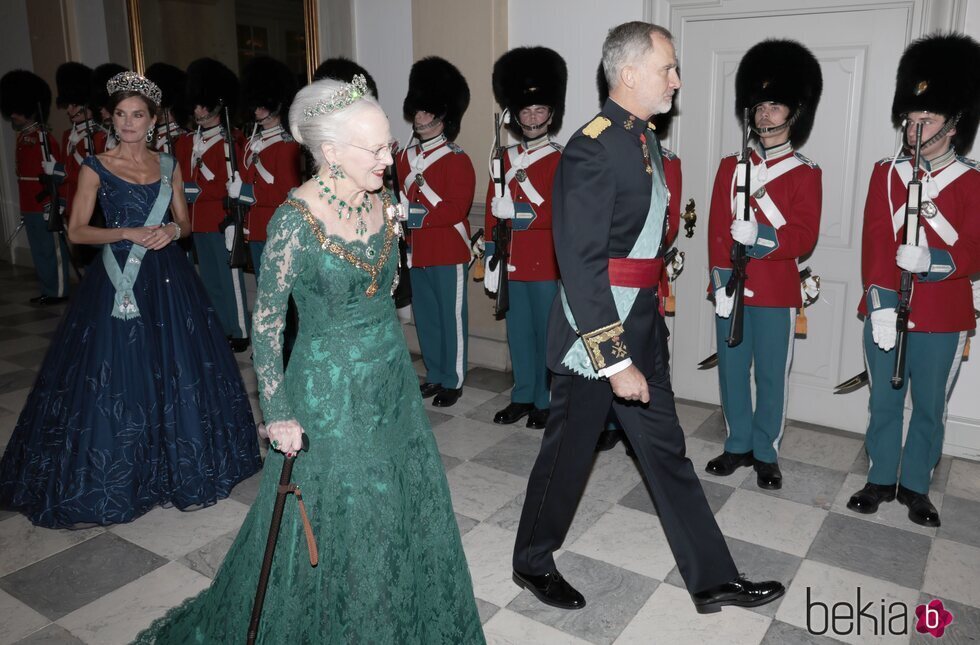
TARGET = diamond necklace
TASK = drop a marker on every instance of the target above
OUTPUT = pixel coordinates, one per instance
(344, 210)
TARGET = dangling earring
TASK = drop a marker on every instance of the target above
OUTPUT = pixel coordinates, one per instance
(335, 171)
(149, 135)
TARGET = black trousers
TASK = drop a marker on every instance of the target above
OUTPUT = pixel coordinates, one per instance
(579, 408)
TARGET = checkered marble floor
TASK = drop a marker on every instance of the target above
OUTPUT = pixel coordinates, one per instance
(104, 585)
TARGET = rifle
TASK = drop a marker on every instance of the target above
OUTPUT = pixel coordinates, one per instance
(501, 230)
(736, 283)
(98, 217)
(904, 308)
(238, 257)
(170, 135)
(403, 292)
(49, 185)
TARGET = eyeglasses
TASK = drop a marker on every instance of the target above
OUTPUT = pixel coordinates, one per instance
(379, 152)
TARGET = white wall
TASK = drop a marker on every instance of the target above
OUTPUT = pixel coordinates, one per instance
(383, 39)
(575, 29)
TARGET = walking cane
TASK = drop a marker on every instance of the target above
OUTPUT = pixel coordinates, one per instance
(285, 488)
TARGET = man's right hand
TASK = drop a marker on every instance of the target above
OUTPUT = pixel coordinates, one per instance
(884, 330)
(491, 278)
(724, 303)
(631, 385)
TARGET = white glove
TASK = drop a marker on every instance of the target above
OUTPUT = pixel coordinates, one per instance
(884, 328)
(511, 268)
(915, 259)
(724, 303)
(234, 186)
(229, 237)
(48, 167)
(502, 208)
(491, 278)
(745, 232)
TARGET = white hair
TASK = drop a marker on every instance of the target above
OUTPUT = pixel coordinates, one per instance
(627, 43)
(313, 132)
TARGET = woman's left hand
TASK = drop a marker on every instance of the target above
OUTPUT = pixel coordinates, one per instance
(154, 237)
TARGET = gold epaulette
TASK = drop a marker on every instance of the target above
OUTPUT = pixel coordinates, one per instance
(596, 127)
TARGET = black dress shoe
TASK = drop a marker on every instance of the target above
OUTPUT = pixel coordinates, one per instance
(430, 389)
(512, 413)
(608, 440)
(728, 462)
(921, 510)
(238, 345)
(538, 419)
(868, 498)
(447, 397)
(768, 475)
(551, 589)
(739, 592)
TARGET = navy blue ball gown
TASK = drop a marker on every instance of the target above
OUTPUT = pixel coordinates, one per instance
(128, 414)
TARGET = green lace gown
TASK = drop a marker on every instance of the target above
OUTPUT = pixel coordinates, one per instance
(391, 568)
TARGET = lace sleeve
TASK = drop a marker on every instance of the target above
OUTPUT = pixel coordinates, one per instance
(281, 265)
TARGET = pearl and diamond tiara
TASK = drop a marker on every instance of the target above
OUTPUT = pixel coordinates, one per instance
(340, 99)
(133, 82)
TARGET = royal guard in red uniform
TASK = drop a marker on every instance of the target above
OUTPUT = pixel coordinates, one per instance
(529, 84)
(26, 100)
(173, 116)
(937, 88)
(270, 164)
(779, 82)
(205, 163)
(105, 138)
(74, 81)
(437, 190)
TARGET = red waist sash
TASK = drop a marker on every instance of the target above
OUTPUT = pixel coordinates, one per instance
(635, 273)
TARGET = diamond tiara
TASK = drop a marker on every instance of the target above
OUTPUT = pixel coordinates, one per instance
(340, 99)
(133, 82)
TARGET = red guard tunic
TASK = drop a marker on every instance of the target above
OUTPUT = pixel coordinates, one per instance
(532, 250)
(203, 162)
(672, 174)
(786, 201)
(438, 231)
(27, 159)
(75, 143)
(942, 299)
(270, 163)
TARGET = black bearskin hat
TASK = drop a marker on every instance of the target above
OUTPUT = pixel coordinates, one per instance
(344, 69)
(99, 97)
(782, 71)
(172, 82)
(531, 76)
(268, 83)
(661, 121)
(21, 91)
(74, 81)
(210, 83)
(941, 74)
(437, 87)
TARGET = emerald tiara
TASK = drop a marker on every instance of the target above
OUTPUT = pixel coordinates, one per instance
(340, 99)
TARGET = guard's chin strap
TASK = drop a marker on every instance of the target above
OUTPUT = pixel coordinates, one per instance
(943, 131)
(775, 129)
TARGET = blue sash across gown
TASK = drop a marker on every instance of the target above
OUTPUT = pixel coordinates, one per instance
(129, 414)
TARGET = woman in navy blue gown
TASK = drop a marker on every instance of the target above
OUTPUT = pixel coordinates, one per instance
(139, 401)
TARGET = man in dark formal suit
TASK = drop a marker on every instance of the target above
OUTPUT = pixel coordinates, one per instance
(607, 342)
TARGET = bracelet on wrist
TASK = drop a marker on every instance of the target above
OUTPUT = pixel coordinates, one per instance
(177, 234)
